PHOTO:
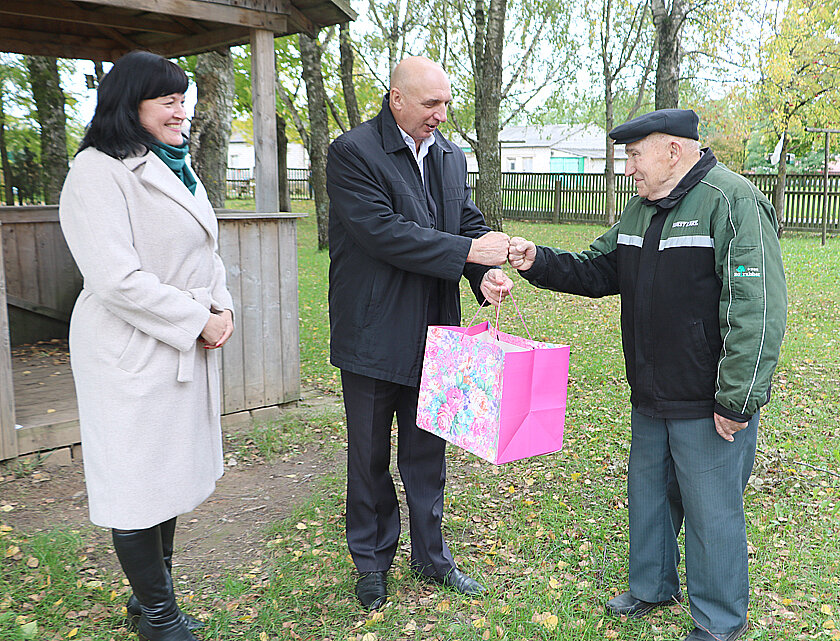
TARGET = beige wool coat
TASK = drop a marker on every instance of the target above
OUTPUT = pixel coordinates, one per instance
(148, 392)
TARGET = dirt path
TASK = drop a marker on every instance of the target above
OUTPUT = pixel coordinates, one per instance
(227, 531)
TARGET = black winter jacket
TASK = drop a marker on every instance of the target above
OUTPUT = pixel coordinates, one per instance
(386, 258)
(703, 295)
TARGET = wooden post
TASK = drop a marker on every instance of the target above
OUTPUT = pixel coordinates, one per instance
(827, 132)
(267, 190)
(825, 192)
(8, 435)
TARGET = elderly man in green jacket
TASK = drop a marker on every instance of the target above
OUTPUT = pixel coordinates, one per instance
(697, 262)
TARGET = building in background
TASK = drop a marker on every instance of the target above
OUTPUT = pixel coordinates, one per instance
(576, 149)
(241, 153)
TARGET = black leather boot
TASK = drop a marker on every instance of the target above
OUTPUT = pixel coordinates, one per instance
(167, 537)
(140, 553)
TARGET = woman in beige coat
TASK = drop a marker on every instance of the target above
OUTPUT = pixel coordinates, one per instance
(144, 330)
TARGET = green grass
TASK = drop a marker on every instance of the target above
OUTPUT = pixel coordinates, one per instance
(547, 535)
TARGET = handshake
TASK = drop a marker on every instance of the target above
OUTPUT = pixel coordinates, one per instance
(497, 248)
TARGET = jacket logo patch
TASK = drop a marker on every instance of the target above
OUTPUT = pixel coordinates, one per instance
(742, 271)
(686, 223)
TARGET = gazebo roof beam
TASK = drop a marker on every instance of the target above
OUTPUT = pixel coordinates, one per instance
(199, 42)
(98, 18)
(210, 11)
(59, 45)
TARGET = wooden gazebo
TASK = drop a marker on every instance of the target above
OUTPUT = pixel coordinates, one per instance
(261, 367)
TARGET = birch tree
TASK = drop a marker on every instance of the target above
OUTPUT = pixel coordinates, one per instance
(45, 83)
(319, 132)
(499, 55)
(627, 21)
(211, 126)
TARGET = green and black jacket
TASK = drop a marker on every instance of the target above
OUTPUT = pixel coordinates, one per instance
(703, 296)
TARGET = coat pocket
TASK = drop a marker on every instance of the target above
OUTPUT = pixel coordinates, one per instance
(137, 353)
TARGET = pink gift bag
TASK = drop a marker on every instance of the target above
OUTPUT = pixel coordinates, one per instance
(499, 396)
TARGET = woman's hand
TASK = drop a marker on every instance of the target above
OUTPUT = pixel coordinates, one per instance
(218, 329)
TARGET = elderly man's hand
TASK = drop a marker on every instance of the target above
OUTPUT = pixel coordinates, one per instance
(521, 253)
(495, 286)
(490, 249)
(727, 427)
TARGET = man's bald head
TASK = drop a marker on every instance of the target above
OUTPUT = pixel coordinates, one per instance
(415, 72)
(419, 96)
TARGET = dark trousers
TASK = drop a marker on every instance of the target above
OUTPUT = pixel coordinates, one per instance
(681, 470)
(373, 515)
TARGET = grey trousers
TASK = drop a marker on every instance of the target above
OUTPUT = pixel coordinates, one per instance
(681, 469)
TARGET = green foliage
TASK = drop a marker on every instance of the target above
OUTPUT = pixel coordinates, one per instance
(800, 66)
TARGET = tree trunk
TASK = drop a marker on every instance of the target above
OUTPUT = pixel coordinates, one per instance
(347, 57)
(609, 167)
(211, 126)
(781, 179)
(282, 164)
(489, 41)
(319, 134)
(4, 159)
(668, 27)
(49, 101)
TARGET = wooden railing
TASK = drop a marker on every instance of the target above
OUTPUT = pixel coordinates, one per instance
(39, 283)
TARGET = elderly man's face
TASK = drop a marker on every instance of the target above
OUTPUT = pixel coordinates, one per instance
(649, 163)
(420, 109)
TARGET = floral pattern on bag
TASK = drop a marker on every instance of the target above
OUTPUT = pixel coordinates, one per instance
(461, 389)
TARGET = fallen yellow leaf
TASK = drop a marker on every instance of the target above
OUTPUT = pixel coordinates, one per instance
(375, 617)
(29, 630)
(72, 633)
(825, 608)
(11, 551)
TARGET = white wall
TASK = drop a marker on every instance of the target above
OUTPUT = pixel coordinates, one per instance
(241, 156)
(526, 159)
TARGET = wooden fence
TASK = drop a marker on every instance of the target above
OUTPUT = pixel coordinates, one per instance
(580, 198)
(240, 184)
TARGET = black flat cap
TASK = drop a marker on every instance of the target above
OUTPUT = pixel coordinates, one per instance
(676, 122)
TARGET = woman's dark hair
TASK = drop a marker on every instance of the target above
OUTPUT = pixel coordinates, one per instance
(115, 128)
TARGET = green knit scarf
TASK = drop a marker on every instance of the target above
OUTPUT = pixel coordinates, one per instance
(175, 159)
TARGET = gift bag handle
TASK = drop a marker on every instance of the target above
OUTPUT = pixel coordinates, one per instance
(498, 311)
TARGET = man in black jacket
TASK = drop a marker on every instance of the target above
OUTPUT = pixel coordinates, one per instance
(403, 230)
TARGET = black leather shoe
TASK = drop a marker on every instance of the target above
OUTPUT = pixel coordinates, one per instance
(701, 635)
(372, 590)
(456, 580)
(627, 605)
